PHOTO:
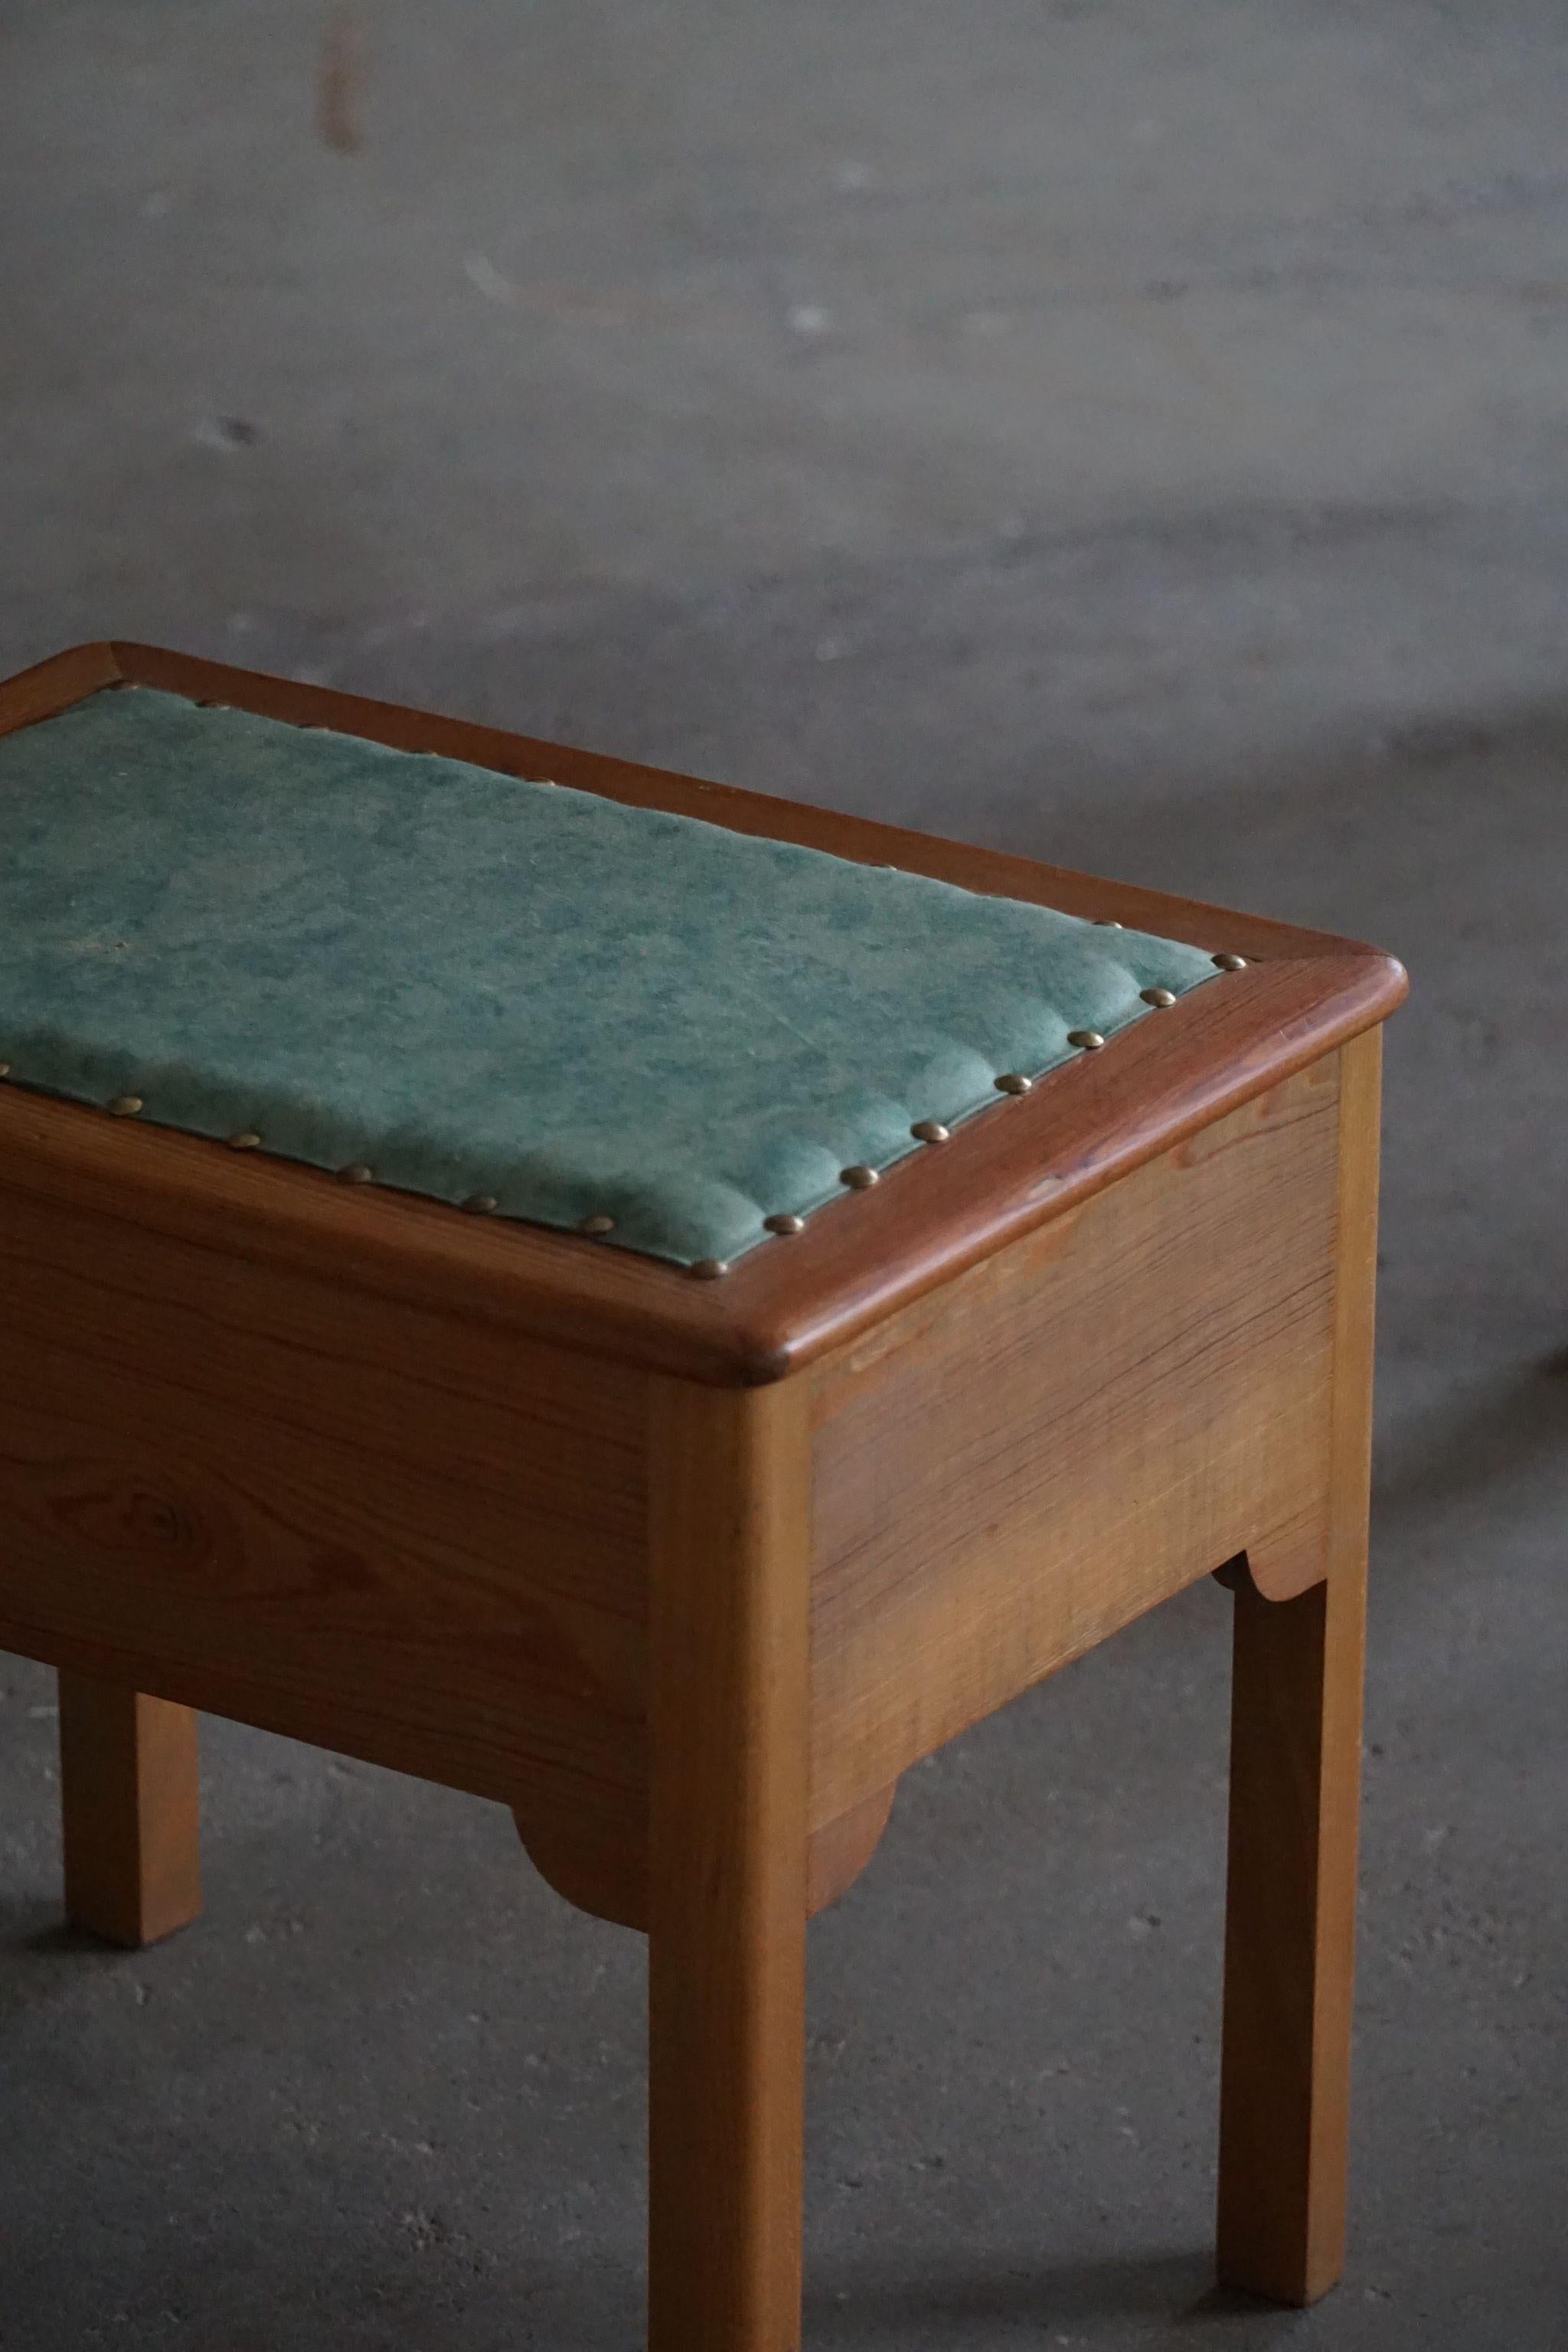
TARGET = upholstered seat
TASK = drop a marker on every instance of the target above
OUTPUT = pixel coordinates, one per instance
(531, 1000)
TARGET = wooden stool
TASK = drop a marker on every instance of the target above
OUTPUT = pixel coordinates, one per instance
(871, 1293)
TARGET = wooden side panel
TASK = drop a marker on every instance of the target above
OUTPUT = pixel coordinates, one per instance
(1090, 1421)
(415, 1539)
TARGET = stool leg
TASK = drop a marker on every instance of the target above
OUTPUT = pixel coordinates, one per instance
(1289, 1940)
(728, 1900)
(130, 1794)
(1295, 1780)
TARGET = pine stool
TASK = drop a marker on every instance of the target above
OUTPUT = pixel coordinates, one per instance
(660, 1307)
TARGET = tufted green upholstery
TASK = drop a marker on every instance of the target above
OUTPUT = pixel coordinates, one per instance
(475, 986)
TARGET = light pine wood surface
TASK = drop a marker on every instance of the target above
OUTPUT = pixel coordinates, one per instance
(404, 1534)
(1010, 1471)
(130, 1803)
(1295, 1789)
(730, 1575)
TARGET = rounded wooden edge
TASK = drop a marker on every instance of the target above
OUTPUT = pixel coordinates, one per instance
(608, 1882)
(1010, 1170)
(1257, 1573)
(840, 1850)
(611, 1882)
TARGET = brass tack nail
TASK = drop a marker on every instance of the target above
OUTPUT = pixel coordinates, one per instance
(481, 1204)
(247, 1140)
(785, 1224)
(357, 1174)
(858, 1179)
(596, 1225)
(4, 1069)
(1163, 997)
(709, 1269)
(125, 1105)
(930, 1130)
(1229, 962)
(1106, 923)
(1013, 1082)
(1089, 1040)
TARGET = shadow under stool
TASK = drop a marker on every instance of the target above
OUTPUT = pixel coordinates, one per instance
(661, 1306)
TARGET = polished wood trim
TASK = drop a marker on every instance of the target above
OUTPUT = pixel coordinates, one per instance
(52, 685)
(729, 1706)
(129, 1798)
(997, 873)
(1294, 1796)
(1006, 1172)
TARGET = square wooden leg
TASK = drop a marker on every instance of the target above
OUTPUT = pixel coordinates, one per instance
(1295, 1785)
(728, 1902)
(130, 1789)
(1291, 1940)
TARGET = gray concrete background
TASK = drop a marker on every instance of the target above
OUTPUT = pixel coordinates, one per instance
(1134, 435)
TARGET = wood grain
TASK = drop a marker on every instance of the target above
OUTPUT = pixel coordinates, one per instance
(1294, 1781)
(414, 1537)
(784, 1305)
(51, 686)
(1289, 1939)
(130, 1803)
(841, 1849)
(609, 1877)
(731, 1525)
(1013, 1469)
(397, 1533)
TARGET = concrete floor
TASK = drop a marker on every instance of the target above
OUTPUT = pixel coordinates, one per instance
(1133, 435)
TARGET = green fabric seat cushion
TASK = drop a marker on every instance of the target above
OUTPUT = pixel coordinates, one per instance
(476, 986)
